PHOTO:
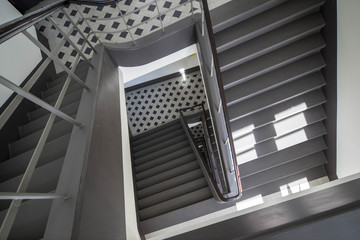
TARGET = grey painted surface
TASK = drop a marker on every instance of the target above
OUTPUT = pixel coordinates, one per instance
(176, 37)
(303, 208)
(102, 213)
(339, 225)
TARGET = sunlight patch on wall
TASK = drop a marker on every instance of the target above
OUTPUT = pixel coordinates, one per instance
(294, 187)
(251, 202)
(290, 111)
(291, 139)
(289, 124)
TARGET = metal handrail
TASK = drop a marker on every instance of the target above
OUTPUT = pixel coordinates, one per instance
(219, 193)
(206, 22)
(11, 28)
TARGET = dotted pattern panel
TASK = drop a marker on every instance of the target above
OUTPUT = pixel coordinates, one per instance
(154, 105)
(147, 15)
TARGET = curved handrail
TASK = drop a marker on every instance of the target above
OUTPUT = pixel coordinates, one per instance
(11, 28)
(222, 94)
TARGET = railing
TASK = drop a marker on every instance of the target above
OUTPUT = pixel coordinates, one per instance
(228, 154)
(210, 158)
(7, 31)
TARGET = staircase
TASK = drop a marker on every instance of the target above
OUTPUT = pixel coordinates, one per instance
(270, 61)
(168, 176)
(33, 214)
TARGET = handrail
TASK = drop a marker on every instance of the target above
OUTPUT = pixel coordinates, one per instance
(11, 28)
(216, 65)
(219, 194)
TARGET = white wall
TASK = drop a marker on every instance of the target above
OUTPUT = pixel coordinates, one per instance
(348, 131)
(132, 75)
(18, 56)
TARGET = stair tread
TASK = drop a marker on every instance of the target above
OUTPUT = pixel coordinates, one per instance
(270, 146)
(280, 128)
(167, 175)
(172, 193)
(273, 60)
(274, 79)
(175, 203)
(29, 142)
(161, 153)
(164, 159)
(55, 90)
(165, 166)
(277, 112)
(168, 184)
(233, 12)
(271, 41)
(156, 132)
(283, 156)
(265, 22)
(15, 166)
(159, 146)
(136, 147)
(276, 96)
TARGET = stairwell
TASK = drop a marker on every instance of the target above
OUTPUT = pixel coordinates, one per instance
(270, 60)
(33, 214)
(168, 176)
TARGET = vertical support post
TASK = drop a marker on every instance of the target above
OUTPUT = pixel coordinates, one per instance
(212, 68)
(127, 27)
(158, 10)
(220, 105)
(192, 9)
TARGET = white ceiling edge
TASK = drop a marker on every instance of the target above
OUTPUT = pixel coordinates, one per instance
(161, 67)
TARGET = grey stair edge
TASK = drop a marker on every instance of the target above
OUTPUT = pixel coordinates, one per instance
(161, 153)
(165, 166)
(154, 130)
(172, 193)
(181, 179)
(175, 203)
(289, 168)
(167, 175)
(166, 158)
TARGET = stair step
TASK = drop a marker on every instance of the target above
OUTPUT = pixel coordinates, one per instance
(157, 140)
(167, 175)
(273, 60)
(175, 203)
(280, 128)
(17, 165)
(290, 124)
(56, 89)
(271, 41)
(171, 183)
(272, 145)
(161, 153)
(81, 72)
(31, 220)
(70, 97)
(165, 166)
(155, 133)
(280, 111)
(276, 96)
(164, 159)
(274, 186)
(29, 142)
(172, 193)
(44, 179)
(274, 79)
(265, 22)
(69, 109)
(234, 12)
(299, 165)
(159, 146)
(283, 156)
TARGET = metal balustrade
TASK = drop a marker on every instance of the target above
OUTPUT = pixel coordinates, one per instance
(11, 29)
